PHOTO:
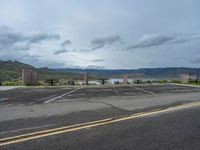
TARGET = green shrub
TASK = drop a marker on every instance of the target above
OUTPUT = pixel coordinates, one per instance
(12, 83)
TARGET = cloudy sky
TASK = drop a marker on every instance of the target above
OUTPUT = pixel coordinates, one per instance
(108, 34)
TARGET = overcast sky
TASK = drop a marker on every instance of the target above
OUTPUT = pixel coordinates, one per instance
(110, 34)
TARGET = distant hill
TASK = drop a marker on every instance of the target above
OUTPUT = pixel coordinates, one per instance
(11, 70)
(147, 73)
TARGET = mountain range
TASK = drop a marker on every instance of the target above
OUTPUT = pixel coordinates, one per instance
(172, 73)
(11, 70)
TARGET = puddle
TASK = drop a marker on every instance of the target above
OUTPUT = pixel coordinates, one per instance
(3, 99)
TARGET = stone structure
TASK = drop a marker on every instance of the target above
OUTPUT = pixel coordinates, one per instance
(29, 77)
(125, 79)
(185, 78)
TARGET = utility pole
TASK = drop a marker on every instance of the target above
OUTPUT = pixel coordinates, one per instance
(86, 78)
(197, 76)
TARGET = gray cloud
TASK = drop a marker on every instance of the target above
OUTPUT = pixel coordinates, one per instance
(150, 40)
(37, 37)
(11, 40)
(153, 62)
(94, 67)
(63, 50)
(66, 43)
(100, 42)
(52, 64)
(103, 41)
(186, 38)
(98, 60)
(195, 61)
(89, 67)
(60, 51)
(34, 60)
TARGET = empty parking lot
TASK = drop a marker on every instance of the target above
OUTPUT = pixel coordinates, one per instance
(34, 95)
(51, 110)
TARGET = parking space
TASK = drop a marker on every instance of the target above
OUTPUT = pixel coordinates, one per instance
(30, 95)
(105, 92)
(130, 90)
(43, 95)
(169, 88)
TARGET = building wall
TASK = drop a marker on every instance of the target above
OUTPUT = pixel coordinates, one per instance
(34, 78)
(125, 79)
(186, 77)
(29, 77)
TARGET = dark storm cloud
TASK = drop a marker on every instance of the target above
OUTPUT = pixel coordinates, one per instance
(150, 40)
(66, 43)
(60, 51)
(11, 40)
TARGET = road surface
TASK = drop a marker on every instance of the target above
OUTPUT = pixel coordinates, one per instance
(112, 117)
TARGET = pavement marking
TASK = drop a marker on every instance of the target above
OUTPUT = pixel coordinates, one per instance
(128, 93)
(185, 85)
(55, 98)
(77, 127)
(77, 94)
(140, 89)
(102, 90)
(51, 130)
(5, 88)
(30, 128)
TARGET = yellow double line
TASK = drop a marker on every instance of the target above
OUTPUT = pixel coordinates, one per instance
(71, 128)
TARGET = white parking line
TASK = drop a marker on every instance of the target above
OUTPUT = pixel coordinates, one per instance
(140, 89)
(55, 98)
(185, 85)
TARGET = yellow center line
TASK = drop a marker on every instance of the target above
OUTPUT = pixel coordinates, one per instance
(56, 131)
(52, 130)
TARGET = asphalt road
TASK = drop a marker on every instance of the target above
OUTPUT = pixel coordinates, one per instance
(40, 95)
(55, 117)
(30, 95)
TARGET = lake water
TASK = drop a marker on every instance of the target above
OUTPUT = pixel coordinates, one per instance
(111, 81)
